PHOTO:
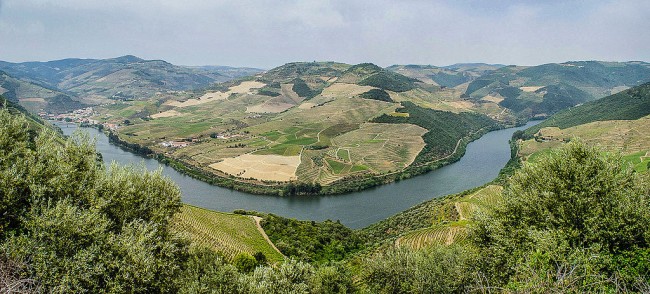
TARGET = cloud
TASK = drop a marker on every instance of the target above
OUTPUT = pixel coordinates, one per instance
(269, 33)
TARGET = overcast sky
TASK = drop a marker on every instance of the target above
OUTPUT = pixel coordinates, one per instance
(270, 33)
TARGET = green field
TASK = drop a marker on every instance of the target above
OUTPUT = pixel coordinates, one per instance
(227, 233)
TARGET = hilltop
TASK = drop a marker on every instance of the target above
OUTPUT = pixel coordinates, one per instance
(95, 81)
(617, 123)
(533, 91)
(305, 128)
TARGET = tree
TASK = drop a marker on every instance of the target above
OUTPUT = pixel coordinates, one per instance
(579, 199)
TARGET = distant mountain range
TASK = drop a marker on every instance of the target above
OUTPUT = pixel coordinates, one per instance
(534, 90)
(67, 84)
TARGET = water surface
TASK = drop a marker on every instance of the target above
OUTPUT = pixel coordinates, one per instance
(482, 161)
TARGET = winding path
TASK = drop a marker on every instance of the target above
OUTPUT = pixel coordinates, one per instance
(266, 237)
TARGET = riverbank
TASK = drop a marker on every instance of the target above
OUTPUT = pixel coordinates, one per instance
(345, 185)
(480, 164)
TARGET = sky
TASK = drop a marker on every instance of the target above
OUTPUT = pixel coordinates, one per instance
(265, 34)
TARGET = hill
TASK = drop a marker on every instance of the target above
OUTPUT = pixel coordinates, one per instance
(94, 81)
(230, 234)
(616, 123)
(36, 98)
(630, 104)
(304, 128)
(447, 76)
(545, 89)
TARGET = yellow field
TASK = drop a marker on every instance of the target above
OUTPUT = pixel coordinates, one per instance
(31, 100)
(168, 113)
(260, 167)
(242, 88)
(496, 98)
(345, 90)
(530, 89)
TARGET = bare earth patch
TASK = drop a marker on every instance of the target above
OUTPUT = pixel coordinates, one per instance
(348, 90)
(31, 100)
(531, 88)
(168, 113)
(244, 87)
(495, 99)
(307, 105)
(287, 91)
(260, 167)
(269, 107)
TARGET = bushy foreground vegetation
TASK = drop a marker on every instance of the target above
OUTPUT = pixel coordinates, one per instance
(576, 222)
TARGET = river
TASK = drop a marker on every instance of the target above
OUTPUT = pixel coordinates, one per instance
(482, 161)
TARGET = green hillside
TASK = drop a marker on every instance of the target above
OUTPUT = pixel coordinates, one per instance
(630, 104)
(36, 98)
(72, 225)
(95, 81)
(304, 128)
(545, 89)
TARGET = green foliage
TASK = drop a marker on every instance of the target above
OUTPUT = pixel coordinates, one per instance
(377, 94)
(266, 92)
(439, 269)
(78, 226)
(390, 81)
(445, 128)
(576, 199)
(302, 89)
(291, 277)
(310, 240)
(245, 262)
(206, 272)
(630, 104)
(124, 197)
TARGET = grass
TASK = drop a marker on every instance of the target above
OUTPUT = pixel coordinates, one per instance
(337, 166)
(224, 232)
(639, 160)
(624, 136)
(343, 154)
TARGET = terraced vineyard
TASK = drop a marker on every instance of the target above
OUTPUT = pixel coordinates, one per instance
(438, 235)
(224, 232)
(629, 137)
(315, 116)
(452, 219)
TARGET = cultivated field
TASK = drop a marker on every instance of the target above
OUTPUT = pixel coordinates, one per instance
(451, 220)
(244, 87)
(260, 167)
(224, 232)
(381, 147)
(625, 136)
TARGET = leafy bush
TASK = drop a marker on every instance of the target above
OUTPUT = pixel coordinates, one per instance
(389, 81)
(302, 89)
(436, 270)
(577, 200)
(310, 240)
(377, 94)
